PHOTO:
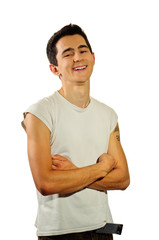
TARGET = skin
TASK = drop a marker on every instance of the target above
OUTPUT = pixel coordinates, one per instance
(118, 177)
(56, 174)
(75, 84)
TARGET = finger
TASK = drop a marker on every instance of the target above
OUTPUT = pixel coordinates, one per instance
(56, 162)
(59, 157)
(56, 157)
(54, 167)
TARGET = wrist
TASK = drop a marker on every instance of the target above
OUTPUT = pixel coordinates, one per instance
(102, 169)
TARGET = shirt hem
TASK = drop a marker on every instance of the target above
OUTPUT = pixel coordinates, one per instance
(52, 233)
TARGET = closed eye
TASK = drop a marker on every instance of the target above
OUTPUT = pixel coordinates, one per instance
(68, 55)
(83, 51)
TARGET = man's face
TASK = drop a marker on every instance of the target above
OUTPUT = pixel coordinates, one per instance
(75, 61)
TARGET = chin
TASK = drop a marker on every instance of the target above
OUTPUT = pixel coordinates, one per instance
(82, 81)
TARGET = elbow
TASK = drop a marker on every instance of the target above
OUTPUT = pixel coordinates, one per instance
(48, 186)
(125, 180)
(125, 184)
(44, 189)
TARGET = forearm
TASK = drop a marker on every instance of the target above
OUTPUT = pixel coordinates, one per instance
(63, 182)
(117, 179)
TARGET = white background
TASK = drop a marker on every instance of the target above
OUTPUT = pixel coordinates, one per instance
(125, 38)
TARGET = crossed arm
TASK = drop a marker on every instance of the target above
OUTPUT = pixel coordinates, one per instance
(56, 174)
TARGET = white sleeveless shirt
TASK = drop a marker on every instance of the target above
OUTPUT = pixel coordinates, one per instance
(82, 136)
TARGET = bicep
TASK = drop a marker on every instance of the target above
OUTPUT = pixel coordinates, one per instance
(39, 151)
(115, 149)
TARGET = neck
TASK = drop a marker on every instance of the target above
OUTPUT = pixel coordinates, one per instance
(78, 95)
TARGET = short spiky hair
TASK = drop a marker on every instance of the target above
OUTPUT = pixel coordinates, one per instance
(70, 29)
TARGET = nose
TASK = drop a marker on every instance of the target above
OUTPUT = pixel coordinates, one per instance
(77, 57)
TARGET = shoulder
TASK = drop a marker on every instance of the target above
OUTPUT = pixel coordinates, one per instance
(44, 110)
(105, 109)
(44, 104)
(107, 113)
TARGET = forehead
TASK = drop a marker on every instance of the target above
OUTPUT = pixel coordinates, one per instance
(70, 41)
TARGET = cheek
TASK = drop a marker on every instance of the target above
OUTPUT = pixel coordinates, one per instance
(66, 66)
(91, 63)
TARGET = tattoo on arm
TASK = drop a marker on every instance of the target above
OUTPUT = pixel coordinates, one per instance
(118, 137)
(116, 131)
(116, 128)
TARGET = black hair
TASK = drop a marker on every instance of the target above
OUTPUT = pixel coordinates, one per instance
(70, 29)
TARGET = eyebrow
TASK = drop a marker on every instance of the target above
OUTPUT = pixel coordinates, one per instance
(67, 50)
(72, 49)
(82, 46)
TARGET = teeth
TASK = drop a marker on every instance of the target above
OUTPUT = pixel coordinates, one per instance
(80, 68)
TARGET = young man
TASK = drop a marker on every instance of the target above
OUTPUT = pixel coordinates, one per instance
(74, 146)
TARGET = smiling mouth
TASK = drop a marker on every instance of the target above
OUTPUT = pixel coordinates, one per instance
(80, 68)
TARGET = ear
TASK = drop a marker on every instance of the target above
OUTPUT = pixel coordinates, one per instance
(93, 55)
(54, 69)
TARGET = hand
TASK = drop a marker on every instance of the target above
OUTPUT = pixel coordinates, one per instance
(61, 163)
(108, 161)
